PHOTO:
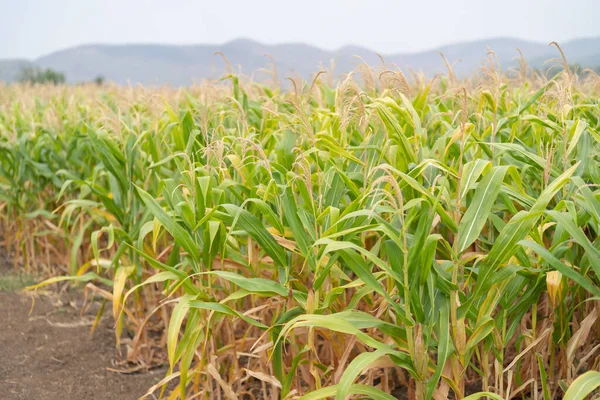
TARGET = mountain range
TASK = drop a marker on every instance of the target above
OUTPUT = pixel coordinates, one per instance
(178, 65)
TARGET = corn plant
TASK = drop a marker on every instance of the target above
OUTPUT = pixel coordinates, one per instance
(326, 241)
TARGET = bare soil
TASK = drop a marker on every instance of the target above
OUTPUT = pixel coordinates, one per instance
(47, 352)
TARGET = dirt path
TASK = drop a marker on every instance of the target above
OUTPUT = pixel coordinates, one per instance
(50, 355)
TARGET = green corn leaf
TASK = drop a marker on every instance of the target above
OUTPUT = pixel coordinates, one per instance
(483, 201)
(583, 385)
(179, 233)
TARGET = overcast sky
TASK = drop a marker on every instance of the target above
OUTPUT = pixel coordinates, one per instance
(31, 28)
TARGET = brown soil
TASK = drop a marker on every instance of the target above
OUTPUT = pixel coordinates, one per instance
(49, 354)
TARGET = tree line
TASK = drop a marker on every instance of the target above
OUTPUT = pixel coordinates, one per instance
(35, 75)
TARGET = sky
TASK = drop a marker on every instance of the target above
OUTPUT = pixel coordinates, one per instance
(32, 28)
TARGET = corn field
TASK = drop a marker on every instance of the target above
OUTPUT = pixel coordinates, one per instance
(375, 237)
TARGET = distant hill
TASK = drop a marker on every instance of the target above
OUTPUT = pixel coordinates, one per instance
(181, 65)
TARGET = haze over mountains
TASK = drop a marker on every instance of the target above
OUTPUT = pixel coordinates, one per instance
(157, 64)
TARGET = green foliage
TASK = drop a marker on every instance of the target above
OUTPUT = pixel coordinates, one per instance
(37, 75)
(311, 243)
